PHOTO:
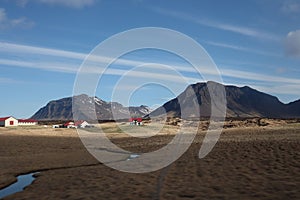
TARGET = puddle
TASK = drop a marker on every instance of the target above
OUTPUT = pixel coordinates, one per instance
(133, 156)
(22, 182)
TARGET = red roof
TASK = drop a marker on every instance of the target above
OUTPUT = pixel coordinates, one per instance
(77, 123)
(27, 120)
(4, 118)
(136, 119)
(69, 123)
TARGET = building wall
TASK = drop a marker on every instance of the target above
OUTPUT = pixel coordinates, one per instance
(27, 123)
(84, 124)
(2, 123)
(9, 120)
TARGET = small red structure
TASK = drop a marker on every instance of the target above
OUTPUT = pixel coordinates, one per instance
(69, 125)
(82, 124)
(136, 121)
(78, 123)
(139, 119)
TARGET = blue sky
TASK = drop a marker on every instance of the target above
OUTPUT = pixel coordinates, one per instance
(44, 42)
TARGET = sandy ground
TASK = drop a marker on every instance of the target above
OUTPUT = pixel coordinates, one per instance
(246, 163)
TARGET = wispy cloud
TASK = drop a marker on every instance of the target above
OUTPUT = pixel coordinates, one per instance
(13, 48)
(49, 61)
(7, 23)
(257, 77)
(6, 80)
(275, 89)
(95, 64)
(246, 31)
(241, 48)
(292, 43)
(34, 50)
(44, 65)
(27, 49)
(65, 3)
(280, 89)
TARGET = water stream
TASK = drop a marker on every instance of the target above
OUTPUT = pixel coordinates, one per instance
(132, 156)
(22, 182)
(26, 179)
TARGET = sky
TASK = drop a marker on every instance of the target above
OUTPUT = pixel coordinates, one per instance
(43, 44)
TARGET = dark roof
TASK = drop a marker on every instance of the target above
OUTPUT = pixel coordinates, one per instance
(5, 118)
(27, 120)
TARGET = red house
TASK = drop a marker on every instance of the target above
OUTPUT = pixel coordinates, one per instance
(8, 121)
(136, 121)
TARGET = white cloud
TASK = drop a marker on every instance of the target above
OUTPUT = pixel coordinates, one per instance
(69, 62)
(257, 77)
(6, 80)
(6, 22)
(239, 29)
(251, 32)
(66, 3)
(73, 69)
(280, 89)
(22, 3)
(26, 49)
(94, 66)
(33, 50)
(240, 48)
(45, 65)
(70, 3)
(292, 43)
(2, 15)
(274, 89)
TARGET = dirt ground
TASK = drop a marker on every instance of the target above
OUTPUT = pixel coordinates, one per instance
(246, 163)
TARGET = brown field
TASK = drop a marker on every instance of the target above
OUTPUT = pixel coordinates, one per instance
(248, 162)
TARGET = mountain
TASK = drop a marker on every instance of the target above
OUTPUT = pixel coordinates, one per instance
(294, 108)
(241, 102)
(55, 110)
(85, 109)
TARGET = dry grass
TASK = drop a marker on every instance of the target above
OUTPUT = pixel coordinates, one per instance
(246, 163)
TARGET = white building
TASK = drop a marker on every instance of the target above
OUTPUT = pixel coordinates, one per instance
(69, 125)
(8, 121)
(82, 124)
(27, 122)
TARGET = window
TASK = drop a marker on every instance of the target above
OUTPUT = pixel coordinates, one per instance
(11, 123)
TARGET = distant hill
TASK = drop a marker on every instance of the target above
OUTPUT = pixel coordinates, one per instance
(241, 102)
(62, 109)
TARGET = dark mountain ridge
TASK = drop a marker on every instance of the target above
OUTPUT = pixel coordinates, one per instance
(241, 102)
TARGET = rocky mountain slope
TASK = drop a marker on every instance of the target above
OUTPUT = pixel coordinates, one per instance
(62, 109)
(241, 102)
